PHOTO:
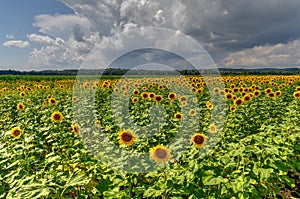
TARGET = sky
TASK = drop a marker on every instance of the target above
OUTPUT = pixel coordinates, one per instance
(53, 34)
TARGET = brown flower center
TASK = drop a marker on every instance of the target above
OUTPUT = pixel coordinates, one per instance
(161, 153)
(198, 139)
(126, 136)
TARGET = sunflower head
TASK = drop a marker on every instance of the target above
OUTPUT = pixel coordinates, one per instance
(127, 137)
(16, 132)
(52, 100)
(238, 102)
(198, 140)
(178, 116)
(144, 95)
(296, 94)
(172, 96)
(160, 154)
(192, 112)
(212, 128)
(135, 100)
(56, 116)
(20, 106)
(232, 108)
(76, 129)
(158, 98)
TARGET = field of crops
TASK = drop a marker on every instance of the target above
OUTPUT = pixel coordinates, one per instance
(150, 137)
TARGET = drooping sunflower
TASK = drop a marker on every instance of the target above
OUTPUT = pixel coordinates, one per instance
(178, 116)
(160, 154)
(198, 140)
(76, 129)
(212, 128)
(16, 132)
(126, 137)
(56, 116)
(20, 106)
(172, 96)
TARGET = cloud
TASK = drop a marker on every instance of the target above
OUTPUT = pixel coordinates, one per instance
(62, 25)
(10, 36)
(59, 54)
(40, 39)
(277, 55)
(16, 44)
(226, 29)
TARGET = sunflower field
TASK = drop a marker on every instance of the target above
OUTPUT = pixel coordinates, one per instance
(150, 137)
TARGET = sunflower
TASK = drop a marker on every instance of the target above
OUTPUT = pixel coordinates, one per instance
(158, 98)
(268, 90)
(228, 96)
(76, 129)
(22, 94)
(97, 122)
(183, 98)
(52, 100)
(16, 132)
(135, 92)
(198, 140)
(278, 93)
(216, 90)
(20, 106)
(151, 95)
(56, 116)
(238, 102)
(212, 128)
(135, 100)
(160, 154)
(172, 96)
(178, 116)
(192, 112)
(256, 93)
(246, 98)
(271, 94)
(296, 94)
(144, 95)
(126, 137)
(232, 108)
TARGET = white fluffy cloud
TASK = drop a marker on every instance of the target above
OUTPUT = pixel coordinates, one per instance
(16, 44)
